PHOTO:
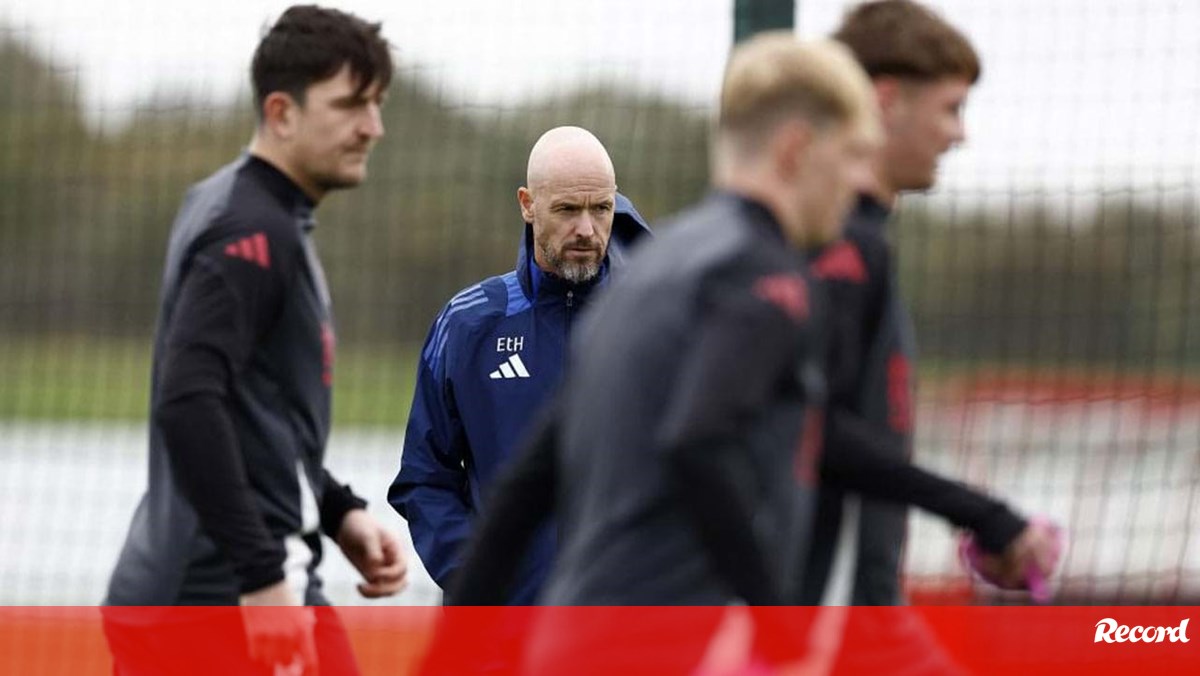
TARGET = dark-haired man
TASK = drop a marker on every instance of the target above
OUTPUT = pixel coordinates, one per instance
(238, 492)
(921, 70)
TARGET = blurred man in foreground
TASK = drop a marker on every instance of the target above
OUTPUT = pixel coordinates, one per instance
(921, 71)
(686, 439)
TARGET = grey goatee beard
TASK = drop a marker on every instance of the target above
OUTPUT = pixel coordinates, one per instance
(576, 273)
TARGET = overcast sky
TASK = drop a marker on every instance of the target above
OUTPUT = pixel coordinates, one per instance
(1076, 93)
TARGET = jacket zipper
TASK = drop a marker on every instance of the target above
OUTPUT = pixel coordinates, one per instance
(570, 305)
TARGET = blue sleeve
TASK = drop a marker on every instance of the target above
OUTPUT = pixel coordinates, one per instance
(431, 490)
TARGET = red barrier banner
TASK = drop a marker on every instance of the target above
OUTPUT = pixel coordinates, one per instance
(687, 641)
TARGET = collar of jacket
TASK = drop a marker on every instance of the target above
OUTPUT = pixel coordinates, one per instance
(284, 189)
(870, 210)
(757, 213)
(548, 286)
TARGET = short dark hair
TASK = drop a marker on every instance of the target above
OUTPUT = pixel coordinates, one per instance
(901, 38)
(309, 44)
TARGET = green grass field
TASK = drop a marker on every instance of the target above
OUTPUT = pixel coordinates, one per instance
(89, 378)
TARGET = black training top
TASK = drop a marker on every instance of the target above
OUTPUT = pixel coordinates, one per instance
(240, 402)
(858, 539)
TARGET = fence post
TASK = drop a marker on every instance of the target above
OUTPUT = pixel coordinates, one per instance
(754, 16)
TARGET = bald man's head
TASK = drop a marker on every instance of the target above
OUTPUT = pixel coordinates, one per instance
(568, 153)
(569, 198)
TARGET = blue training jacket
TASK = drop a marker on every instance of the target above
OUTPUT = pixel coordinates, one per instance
(493, 354)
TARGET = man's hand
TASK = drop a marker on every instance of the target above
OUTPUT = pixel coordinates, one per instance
(1025, 564)
(279, 632)
(375, 552)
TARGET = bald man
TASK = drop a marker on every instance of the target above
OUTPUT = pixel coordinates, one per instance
(497, 349)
